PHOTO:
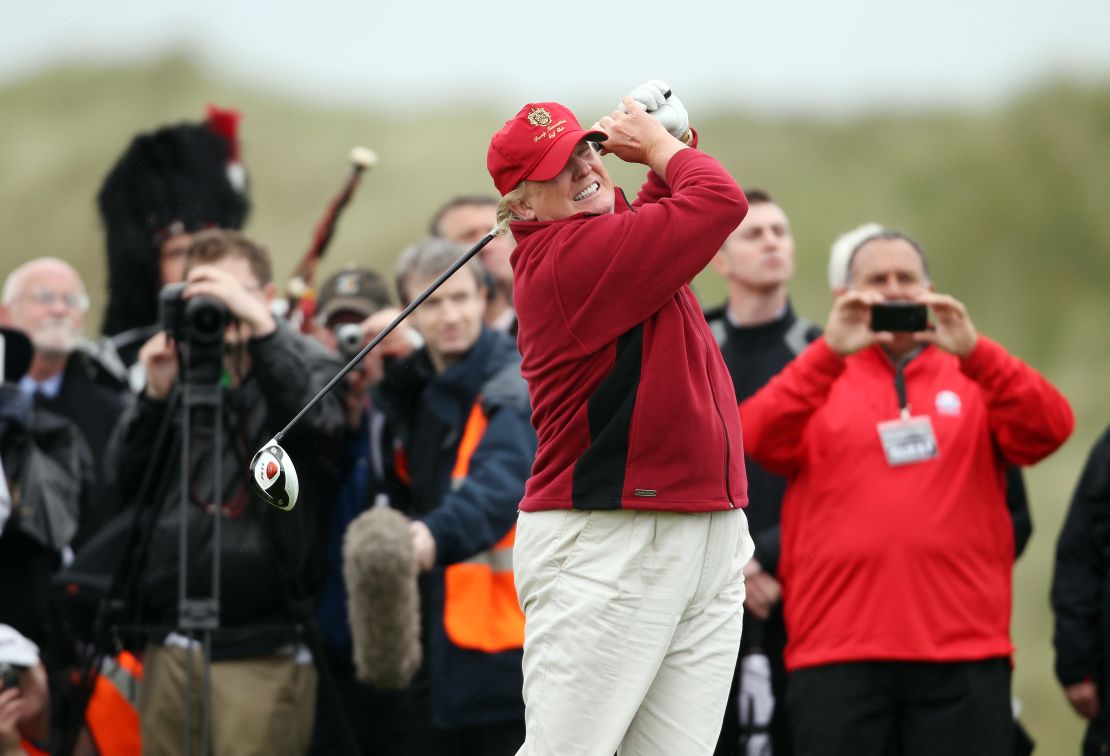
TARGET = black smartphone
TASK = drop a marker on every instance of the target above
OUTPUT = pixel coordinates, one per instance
(899, 316)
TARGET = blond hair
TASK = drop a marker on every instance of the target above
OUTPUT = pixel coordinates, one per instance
(505, 215)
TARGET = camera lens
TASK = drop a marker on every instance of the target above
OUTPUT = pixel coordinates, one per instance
(348, 337)
(206, 319)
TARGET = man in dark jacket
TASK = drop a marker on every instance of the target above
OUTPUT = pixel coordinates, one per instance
(46, 298)
(262, 680)
(458, 412)
(45, 480)
(1080, 600)
(759, 334)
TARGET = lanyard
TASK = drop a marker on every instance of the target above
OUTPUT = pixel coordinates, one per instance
(900, 383)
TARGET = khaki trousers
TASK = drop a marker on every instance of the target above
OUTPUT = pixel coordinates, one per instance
(632, 626)
(261, 705)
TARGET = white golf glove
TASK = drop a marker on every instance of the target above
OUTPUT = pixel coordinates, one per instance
(655, 97)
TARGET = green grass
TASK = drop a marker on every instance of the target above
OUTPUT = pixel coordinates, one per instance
(1010, 206)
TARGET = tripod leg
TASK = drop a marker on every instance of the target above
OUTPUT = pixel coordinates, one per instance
(123, 585)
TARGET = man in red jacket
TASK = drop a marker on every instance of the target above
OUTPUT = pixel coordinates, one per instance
(897, 545)
(630, 544)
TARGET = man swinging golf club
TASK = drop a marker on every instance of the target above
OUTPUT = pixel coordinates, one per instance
(630, 542)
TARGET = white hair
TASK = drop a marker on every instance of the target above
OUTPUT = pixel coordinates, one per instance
(14, 282)
(840, 254)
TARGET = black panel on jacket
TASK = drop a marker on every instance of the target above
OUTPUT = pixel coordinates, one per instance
(599, 472)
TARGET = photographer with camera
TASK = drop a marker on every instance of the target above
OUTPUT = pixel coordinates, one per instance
(352, 306)
(897, 545)
(262, 679)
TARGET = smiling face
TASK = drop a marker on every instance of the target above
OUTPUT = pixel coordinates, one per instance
(583, 186)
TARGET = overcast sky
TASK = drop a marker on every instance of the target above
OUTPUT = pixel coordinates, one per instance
(816, 56)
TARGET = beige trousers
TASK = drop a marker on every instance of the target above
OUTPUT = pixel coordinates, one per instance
(262, 705)
(632, 626)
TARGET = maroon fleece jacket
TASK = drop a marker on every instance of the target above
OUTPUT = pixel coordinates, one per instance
(631, 400)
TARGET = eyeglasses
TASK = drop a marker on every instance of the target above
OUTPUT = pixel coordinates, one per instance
(46, 297)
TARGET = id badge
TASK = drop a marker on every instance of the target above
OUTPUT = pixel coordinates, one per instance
(908, 440)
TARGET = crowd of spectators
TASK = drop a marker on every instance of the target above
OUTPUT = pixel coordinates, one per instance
(149, 602)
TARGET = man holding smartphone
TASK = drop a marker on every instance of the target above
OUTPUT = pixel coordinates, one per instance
(897, 547)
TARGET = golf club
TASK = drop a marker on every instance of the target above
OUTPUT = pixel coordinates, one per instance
(599, 146)
(272, 472)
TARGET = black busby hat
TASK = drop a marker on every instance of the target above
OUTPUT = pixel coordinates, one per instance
(175, 179)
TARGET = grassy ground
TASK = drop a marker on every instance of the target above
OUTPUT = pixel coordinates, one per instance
(1009, 204)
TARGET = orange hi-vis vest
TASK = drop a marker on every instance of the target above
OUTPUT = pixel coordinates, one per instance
(112, 715)
(30, 749)
(480, 611)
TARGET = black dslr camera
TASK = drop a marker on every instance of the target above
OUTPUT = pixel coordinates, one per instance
(197, 325)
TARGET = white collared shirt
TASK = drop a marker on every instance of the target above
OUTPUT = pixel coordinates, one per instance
(48, 388)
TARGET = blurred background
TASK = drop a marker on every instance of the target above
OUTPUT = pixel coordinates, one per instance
(981, 127)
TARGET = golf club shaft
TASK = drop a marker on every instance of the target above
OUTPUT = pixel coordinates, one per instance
(387, 330)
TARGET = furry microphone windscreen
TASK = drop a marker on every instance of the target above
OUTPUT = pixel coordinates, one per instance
(379, 567)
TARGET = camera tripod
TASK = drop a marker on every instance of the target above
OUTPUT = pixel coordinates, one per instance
(197, 402)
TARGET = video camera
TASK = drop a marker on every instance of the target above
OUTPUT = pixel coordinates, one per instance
(197, 325)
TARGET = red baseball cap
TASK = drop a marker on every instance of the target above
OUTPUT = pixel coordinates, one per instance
(535, 144)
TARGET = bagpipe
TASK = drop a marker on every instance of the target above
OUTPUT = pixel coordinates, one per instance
(299, 305)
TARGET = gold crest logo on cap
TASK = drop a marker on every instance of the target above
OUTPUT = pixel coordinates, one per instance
(347, 284)
(539, 117)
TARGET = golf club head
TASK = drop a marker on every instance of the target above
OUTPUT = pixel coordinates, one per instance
(273, 476)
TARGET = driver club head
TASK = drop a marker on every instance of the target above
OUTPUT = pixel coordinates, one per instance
(273, 476)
